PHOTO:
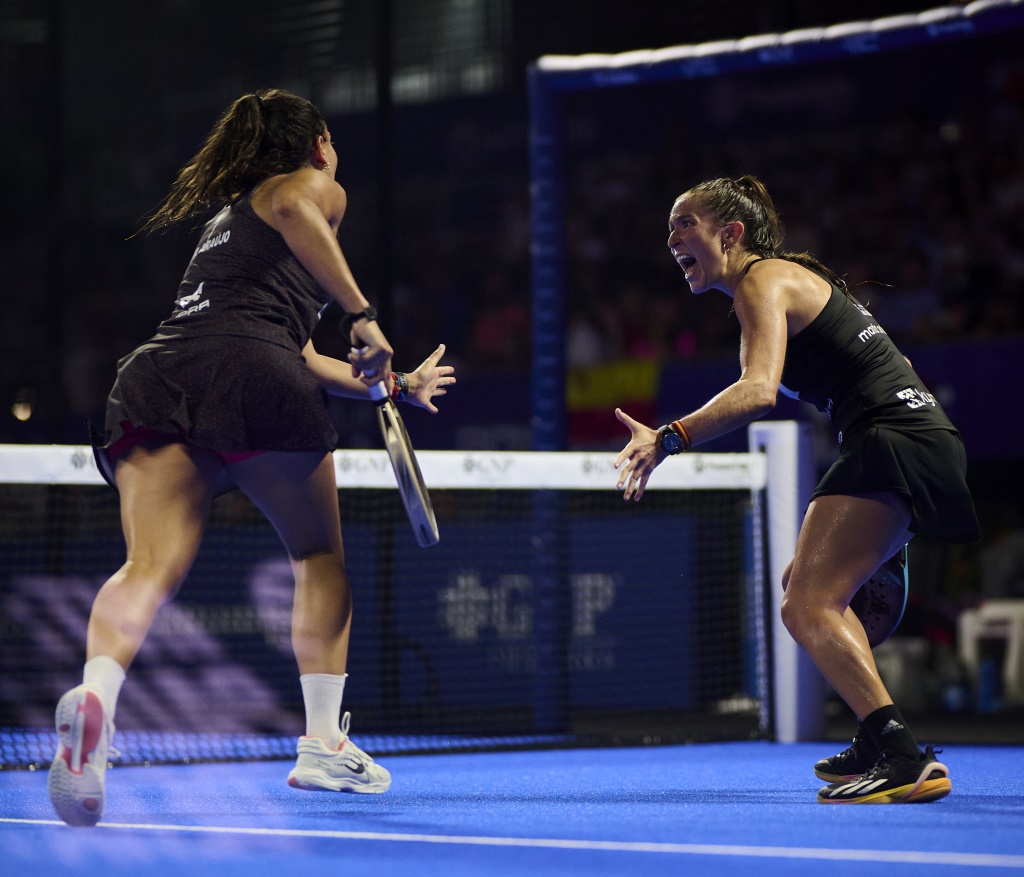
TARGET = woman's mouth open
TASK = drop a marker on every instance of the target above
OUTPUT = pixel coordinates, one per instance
(687, 263)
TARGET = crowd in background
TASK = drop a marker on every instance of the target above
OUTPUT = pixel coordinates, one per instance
(924, 218)
(923, 214)
(927, 230)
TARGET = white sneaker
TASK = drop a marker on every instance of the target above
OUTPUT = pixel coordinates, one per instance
(345, 769)
(78, 773)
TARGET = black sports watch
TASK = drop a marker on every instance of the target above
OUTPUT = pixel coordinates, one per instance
(368, 313)
(669, 440)
(349, 320)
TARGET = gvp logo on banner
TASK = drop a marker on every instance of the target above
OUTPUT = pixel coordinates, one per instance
(467, 607)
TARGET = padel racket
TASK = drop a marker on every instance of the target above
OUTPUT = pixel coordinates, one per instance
(407, 470)
(881, 600)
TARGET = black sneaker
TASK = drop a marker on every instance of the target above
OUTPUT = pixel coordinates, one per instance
(858, 759)
(894, 779)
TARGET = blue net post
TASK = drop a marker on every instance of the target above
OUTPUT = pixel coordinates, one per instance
(551, 597)
(547, 230)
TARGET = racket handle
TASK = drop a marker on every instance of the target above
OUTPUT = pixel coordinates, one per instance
(378, 392)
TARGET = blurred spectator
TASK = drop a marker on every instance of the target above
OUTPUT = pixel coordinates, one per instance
(1001, 315)
(500, 339)
(911, 309)
(585, 343)
(1002, 558)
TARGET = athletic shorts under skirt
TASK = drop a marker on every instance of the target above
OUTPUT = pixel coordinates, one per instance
(928, 467)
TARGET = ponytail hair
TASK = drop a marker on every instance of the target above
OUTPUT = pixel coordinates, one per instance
(262, 134)
(747, 200)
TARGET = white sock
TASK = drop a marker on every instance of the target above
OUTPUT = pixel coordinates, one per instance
(106, 676)
(322, 692)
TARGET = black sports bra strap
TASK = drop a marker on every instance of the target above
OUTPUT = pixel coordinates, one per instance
(754, 262)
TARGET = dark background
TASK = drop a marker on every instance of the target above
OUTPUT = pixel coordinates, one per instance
(905, 173)
(103, 102)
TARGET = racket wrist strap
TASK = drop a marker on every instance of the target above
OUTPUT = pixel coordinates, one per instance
(401, 388)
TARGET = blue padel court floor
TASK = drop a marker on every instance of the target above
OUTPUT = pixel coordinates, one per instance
(717, 809)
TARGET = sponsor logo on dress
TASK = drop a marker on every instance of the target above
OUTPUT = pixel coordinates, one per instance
(185, 303)
(916, 398)
(870, 332)
(211, 242)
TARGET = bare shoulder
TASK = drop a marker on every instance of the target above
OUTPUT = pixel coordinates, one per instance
(778, 271)
(283, 193)
(787, 286)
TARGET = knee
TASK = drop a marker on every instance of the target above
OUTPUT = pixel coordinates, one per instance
(786, 575)
(320, 565)
(316, 553)
(798, 617)
(790, 613)
(159, 578)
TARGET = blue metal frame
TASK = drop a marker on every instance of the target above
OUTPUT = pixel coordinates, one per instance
(548, 79)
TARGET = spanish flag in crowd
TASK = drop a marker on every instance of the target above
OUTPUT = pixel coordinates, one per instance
(594, 392)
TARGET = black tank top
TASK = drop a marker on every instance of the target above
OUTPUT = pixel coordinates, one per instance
(243, 280)
(845, 365)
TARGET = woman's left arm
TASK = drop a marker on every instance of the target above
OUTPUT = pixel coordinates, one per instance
(760, 306)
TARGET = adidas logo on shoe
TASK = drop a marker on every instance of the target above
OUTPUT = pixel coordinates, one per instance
(893, 780)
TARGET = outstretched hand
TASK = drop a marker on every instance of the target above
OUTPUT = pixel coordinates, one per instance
(638, 459)
(430, 380)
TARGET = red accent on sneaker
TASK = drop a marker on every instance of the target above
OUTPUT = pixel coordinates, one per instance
(90, 714)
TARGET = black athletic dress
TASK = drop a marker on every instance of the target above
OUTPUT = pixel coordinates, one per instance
(893, 435)
(225, 370)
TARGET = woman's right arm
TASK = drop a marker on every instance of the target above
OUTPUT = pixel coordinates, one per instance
(306, 208)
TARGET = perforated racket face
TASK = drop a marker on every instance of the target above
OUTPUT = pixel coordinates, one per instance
(880, 602)
(407, 473)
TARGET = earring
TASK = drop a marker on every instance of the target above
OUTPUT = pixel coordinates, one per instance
(327, 166)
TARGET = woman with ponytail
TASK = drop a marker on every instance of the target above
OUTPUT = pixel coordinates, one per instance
(230, 393)
(901, 468)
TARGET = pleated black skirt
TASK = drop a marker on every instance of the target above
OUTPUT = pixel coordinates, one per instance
(928, 467)
(225, 393)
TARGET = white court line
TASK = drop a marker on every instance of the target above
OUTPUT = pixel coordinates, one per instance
(915, 857)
